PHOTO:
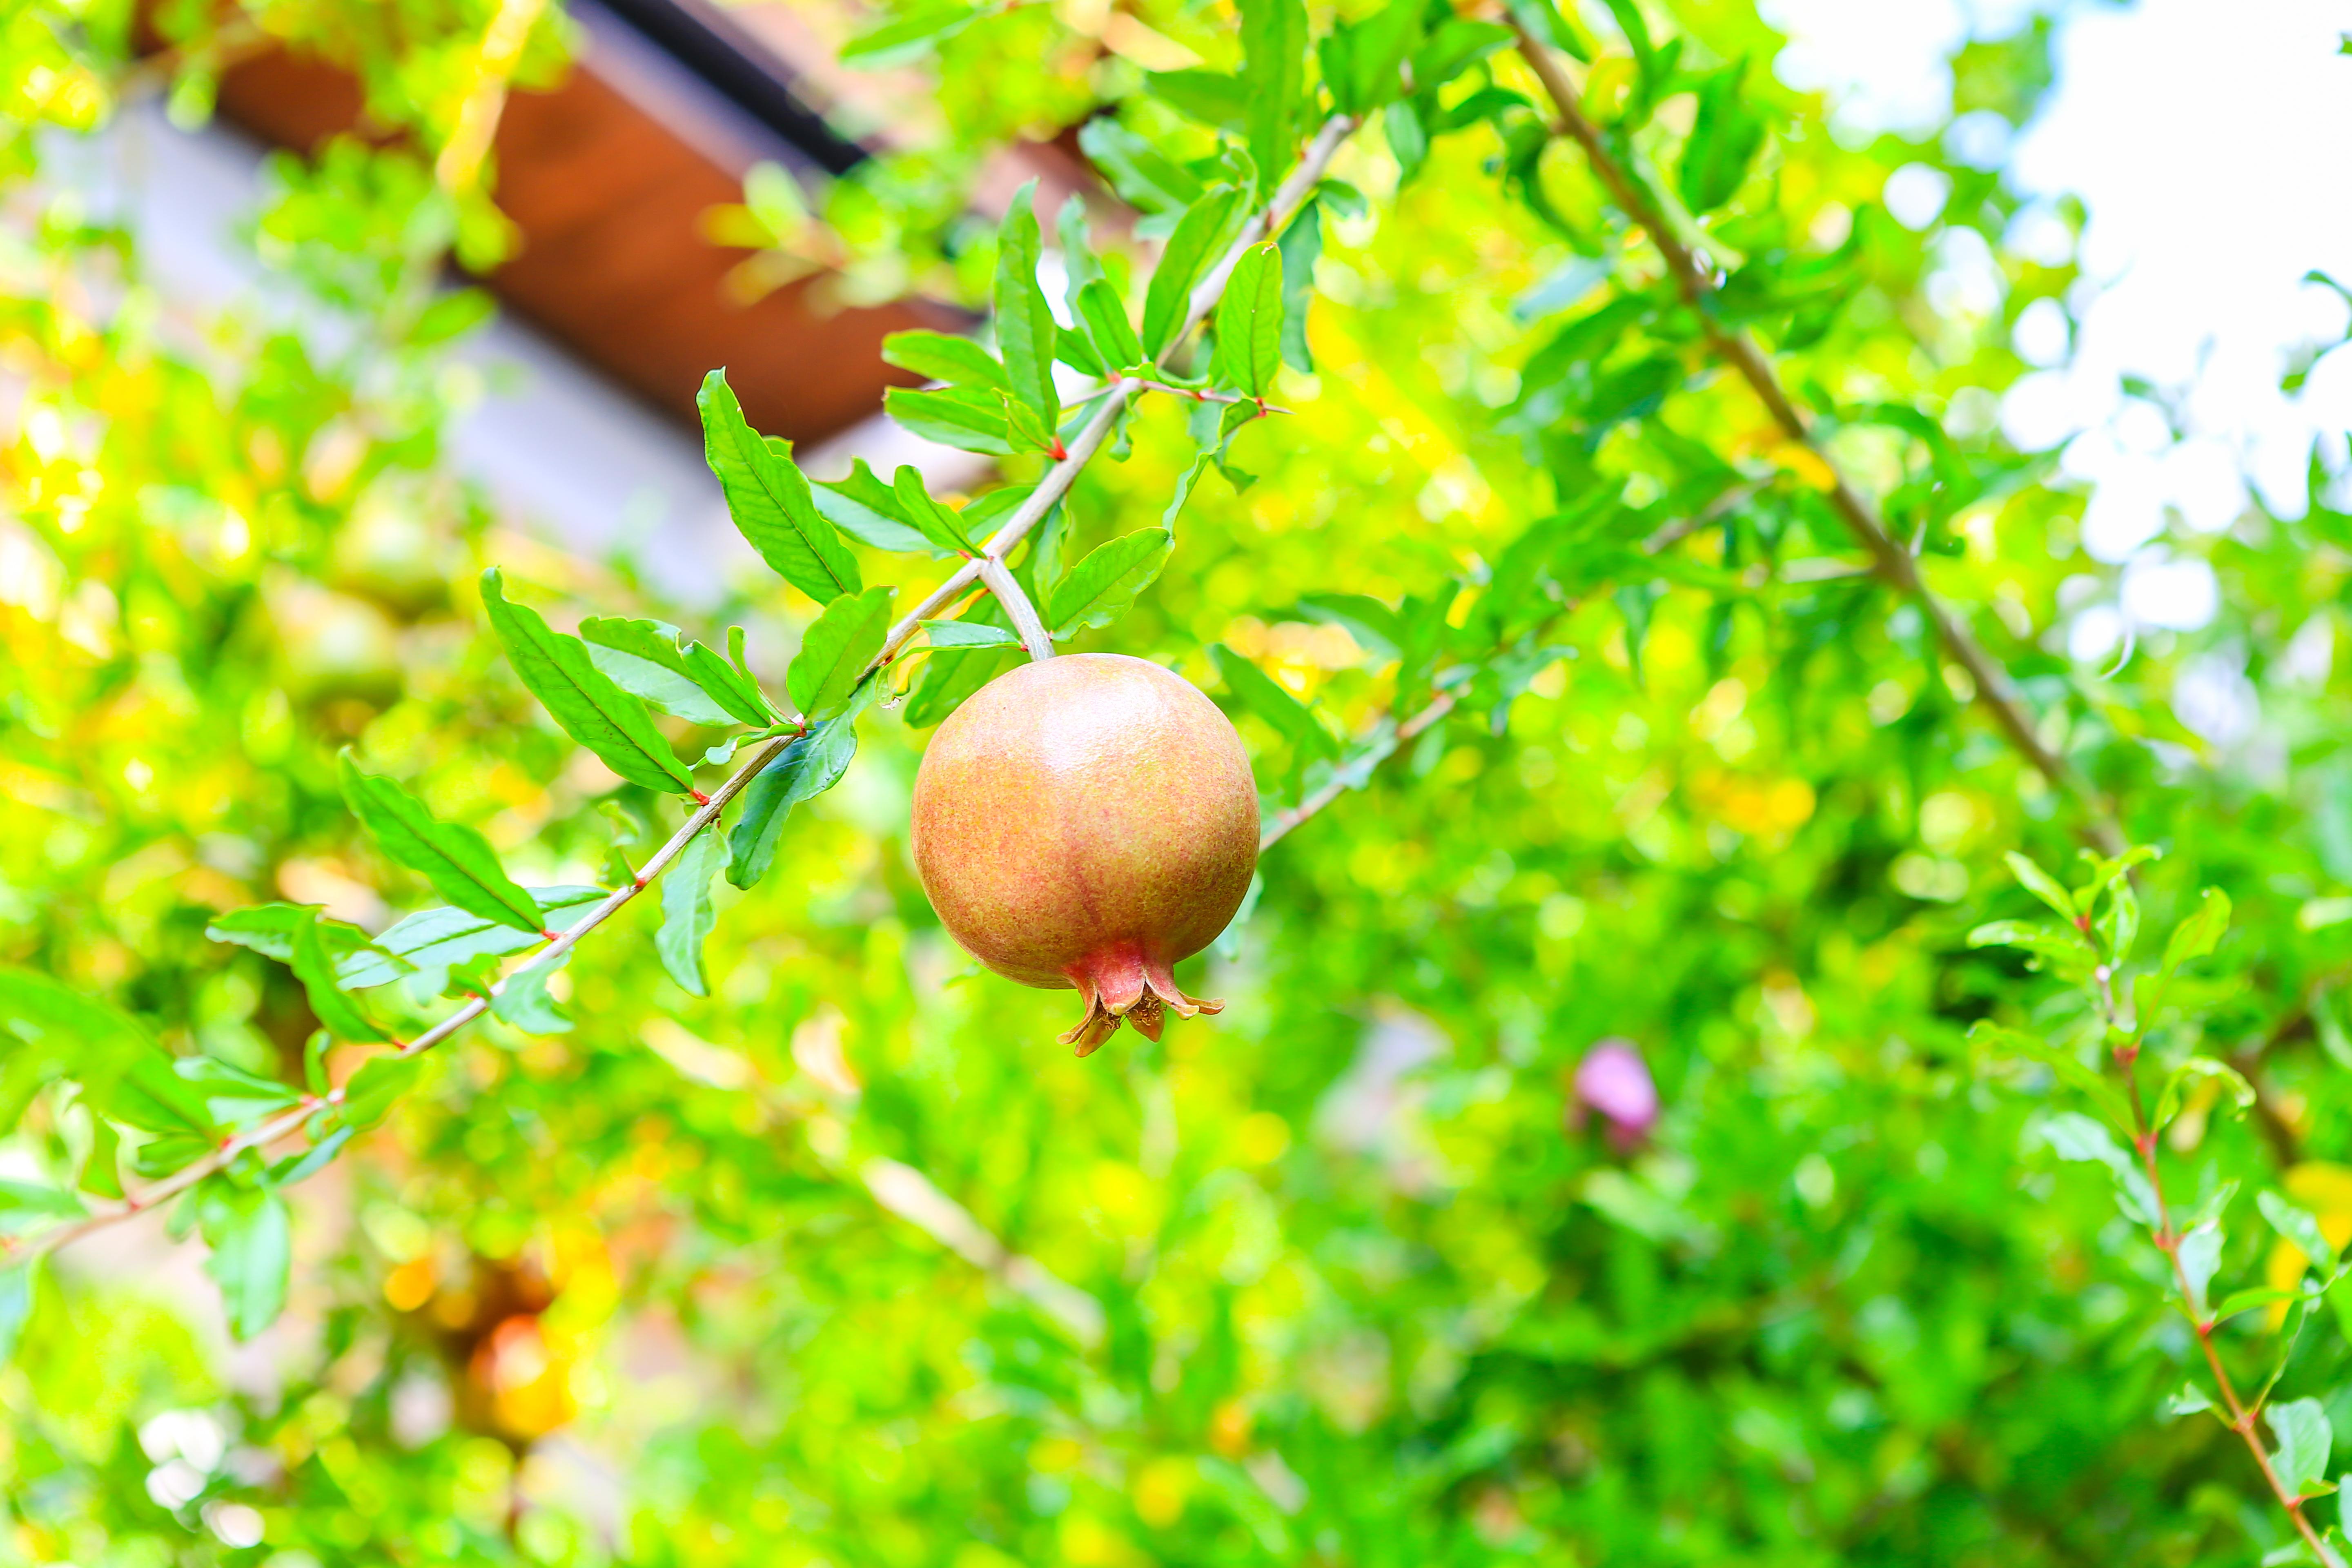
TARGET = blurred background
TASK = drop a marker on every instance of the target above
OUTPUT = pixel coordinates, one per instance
(1591, 1165)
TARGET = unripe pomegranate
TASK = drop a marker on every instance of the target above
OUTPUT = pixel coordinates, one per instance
(1085, 822)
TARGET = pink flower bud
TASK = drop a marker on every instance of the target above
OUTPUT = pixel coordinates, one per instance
(1613, 1080)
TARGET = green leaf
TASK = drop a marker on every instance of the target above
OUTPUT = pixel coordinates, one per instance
(2200, 933)
(2073, 1136)
(1363, 61)
(1200, 235)
(807, 768)
(948, 682)
(1724, 140)
(1453, 47)
(1108, 580)
(337, 1012)
(2197, 1070)
(1029, 431)
(1302, 246)
(863, 507)
(1274, 75)
(939, 523)
(1075, 349)
(101, 1168)
(835, 652)
(654, 660)
(1263, 695)
(771, 501)
(436, 939)
(1212, 98)
(687, 913)
(961, 635)
(379, 1084)
(29, 1206)
(1138, 170)
(2298, 1227)
(2069, 1069)
(969, 418)
(1024, 324)
(941, 356)
(56, 1029)
(2238, 1301)
(269, 930)
(523, 1000)
(1408, 137)
(232, 1095)
(2304, 1440)
(457, 859)
(1249, 321)
(2201, 1258)
(309, 1161)
(909, 36)
(1105, 320)
(593, 710)
(2041, 885)
(251, 1234)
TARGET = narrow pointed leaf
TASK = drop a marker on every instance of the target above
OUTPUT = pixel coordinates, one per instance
(582, 698)
(942, 357)
(687, 914)
(1200, 235)
(1274, 72)
(968, 634)
(863, 507)
(1105, 320)
(769, 498)
(968, 418)
(1302, 246)
(836, 651)
(2202, 933)
(939, 523)
(524, 1003)
(2304, 1440)
(1108, 580)
(1249, 321)
(654, 660)
(435, 939)
(457, 859)
(1266, 698)
(377, 1087)
(251, 1234)
(808, 767)
(337, 1012)
(1025, 324)
(2041, 885)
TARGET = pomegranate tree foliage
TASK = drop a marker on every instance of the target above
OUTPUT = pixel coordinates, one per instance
(764, 1230)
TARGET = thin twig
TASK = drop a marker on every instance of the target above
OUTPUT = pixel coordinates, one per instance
(1342, 783)
(1195, 394)
(998, 580)
(1050, 491)
(1097, 428)
(270, 1131)
(1994, 688)
(2168, 1241)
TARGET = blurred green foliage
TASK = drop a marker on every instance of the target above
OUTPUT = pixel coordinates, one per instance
(845, 1261)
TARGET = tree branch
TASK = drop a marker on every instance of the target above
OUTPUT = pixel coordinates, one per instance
(1049, 491)
(997, 580)
(1996, 691)
(283, 1126)
(1098, 426)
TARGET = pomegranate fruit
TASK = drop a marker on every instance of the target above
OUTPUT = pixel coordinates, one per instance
(1083, 823)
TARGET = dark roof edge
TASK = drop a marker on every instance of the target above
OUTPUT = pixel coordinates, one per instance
(743, 70)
